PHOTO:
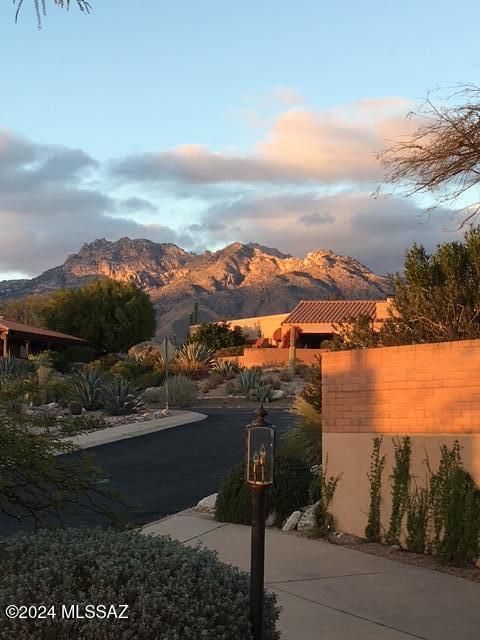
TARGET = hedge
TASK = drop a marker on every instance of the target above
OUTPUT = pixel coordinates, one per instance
(173, 592)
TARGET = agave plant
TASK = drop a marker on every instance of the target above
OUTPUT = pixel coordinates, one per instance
(250, 379)
(85, 387)
(13, 367)
(225, 368)
(119, 397)
(193, 357)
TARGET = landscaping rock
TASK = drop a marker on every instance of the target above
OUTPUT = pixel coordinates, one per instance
(307, 521)
(277, 394)
(270, 521)
(207, 505)
(292, 521)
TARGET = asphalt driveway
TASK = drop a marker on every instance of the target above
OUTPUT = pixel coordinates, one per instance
(161, 473)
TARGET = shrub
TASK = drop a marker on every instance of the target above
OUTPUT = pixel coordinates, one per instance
(151, 379)
(173, 591)
(417, 521)
(85, 387)
(328, 486)
(79, 353)
(273, 381)
(130, 369)
(312, 392)
(377, 464)
(119, 397)
(289, 492)
(79, 424)
(285, 375)
(218, 335)
(182, 393)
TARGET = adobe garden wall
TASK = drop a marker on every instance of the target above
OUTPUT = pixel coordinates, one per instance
(430, 392)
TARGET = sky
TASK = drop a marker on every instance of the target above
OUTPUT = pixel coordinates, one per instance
(205, 123)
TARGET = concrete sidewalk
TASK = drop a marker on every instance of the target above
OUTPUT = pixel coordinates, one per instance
(333, 593)
(134, 429)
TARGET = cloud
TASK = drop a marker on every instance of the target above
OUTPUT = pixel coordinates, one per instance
(375, 231)
(48, 209)
(301, 146)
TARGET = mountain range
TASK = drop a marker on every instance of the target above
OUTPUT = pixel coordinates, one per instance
(240, 280)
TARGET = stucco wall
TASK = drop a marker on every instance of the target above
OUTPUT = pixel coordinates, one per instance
(429, 392)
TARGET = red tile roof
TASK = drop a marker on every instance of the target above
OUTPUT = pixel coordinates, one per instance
(18, 327)
(331, 311)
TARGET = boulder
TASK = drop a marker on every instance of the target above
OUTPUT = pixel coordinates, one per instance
(292, 521)
(207, 505)
(276, 394)
(307, 522)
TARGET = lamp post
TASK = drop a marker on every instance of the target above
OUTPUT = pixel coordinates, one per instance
(259, 472)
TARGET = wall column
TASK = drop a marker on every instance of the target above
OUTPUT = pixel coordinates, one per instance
(4, 337)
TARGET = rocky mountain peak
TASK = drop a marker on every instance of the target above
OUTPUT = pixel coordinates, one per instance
(237, 280)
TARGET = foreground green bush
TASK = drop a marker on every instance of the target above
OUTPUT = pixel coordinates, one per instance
(290, 492)
(173, 592)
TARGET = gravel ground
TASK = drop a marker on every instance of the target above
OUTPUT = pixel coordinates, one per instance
(416, 559)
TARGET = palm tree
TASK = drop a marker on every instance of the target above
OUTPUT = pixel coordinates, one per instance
(41, 7)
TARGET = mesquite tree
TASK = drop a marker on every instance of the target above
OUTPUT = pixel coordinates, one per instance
(442, 157)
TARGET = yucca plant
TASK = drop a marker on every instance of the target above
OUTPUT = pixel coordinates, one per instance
(194, 357)
(85, 387)
(250, 379)
(14, 367)
(119, 397)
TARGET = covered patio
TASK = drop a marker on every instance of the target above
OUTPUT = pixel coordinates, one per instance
(20, 340)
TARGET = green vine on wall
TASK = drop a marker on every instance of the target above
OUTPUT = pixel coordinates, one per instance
(377, 465)
(400, 487)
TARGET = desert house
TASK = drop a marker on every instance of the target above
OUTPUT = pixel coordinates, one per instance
(20, 339)
(314, 321)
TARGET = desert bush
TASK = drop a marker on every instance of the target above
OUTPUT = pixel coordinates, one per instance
(85, 387)
(328, 486)
(304, 438)
(417, 521)
(285, 375)
(151, 379)
(172, 590)
(130, 369)
(312, 392)
(80, 353)
(72, 425)
(273, 381)
(120, 397)
(182, 393)
(289, 492)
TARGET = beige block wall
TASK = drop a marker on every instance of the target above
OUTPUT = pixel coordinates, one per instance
(430, 392)
(350, 454)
